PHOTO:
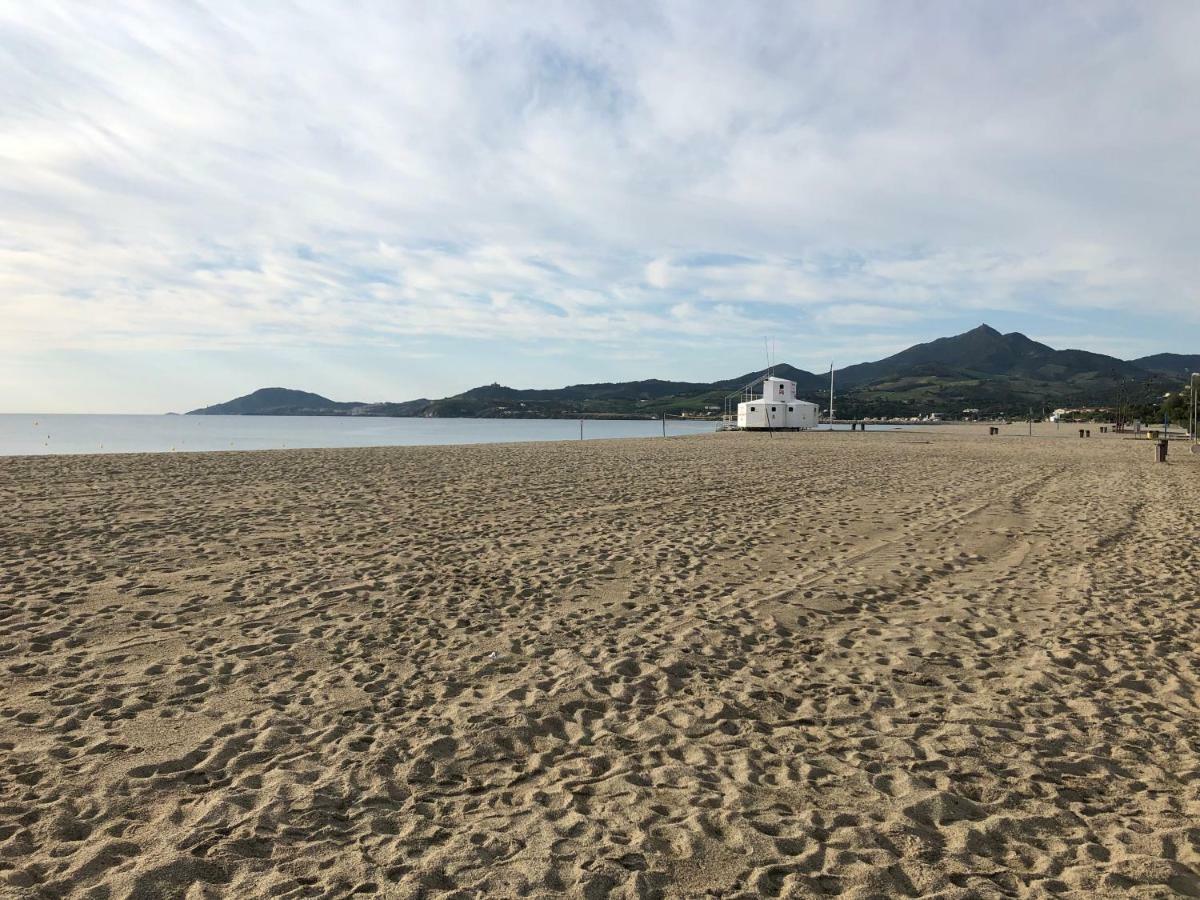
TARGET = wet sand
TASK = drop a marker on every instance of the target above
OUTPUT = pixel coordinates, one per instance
(882, 664)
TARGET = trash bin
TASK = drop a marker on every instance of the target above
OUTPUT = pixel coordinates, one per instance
(1160, 452)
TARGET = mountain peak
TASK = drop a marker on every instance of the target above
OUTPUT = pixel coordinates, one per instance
(985, 329)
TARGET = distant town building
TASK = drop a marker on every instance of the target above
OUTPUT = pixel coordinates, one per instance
(1070, 415)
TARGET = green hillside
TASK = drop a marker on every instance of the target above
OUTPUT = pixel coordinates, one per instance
(998, 374)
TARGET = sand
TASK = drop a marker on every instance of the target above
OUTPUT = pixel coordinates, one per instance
(882, 664)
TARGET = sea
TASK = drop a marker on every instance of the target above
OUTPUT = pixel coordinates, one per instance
(22, 435)
(41, 435)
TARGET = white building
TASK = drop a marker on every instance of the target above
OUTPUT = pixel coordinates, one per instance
(777, 408)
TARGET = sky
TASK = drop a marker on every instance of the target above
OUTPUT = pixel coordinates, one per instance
(384, 201)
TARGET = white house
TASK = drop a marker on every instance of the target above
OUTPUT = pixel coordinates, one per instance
(777, 408)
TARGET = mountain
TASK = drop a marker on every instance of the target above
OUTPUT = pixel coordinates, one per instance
(650, 398)
(985, 351)
(805, 381)
(1176, 365)
(287, 402)
(999, 374)
(275, 402)
(996, 373)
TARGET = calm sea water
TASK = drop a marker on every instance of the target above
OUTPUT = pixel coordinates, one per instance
(37, 434)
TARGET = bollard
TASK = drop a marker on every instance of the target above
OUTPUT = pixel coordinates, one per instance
(1081, 432)
(1088, 433)
(1160, 452)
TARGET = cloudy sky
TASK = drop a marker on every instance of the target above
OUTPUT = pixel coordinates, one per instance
(385, 201)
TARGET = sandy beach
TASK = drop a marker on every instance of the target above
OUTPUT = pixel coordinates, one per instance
(886, 664)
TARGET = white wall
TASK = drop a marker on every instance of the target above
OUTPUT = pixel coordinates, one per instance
(801, 414)
(797, 414)
(762, 414)
(779, 389)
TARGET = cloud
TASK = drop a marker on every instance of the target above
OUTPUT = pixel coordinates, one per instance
(235, 175)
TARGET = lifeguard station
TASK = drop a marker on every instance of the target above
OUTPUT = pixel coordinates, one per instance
(777, 409)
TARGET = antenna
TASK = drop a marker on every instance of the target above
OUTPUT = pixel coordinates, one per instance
(767, 351)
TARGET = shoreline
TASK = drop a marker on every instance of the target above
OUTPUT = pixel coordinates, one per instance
(1041, 430)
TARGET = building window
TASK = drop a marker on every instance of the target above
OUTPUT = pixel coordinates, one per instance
(772, 409)
(752, 409)
(791, 409)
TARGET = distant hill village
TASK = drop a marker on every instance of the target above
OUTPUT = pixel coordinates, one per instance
(980, 374)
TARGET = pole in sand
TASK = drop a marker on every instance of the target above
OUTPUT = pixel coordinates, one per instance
(581, 429)
(831, 396)
(1195, 420)
(664, 424)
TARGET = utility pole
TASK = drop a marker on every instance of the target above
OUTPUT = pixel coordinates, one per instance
(1031, 421)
